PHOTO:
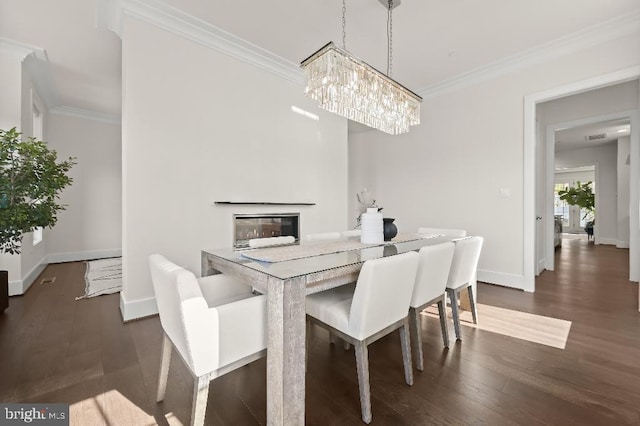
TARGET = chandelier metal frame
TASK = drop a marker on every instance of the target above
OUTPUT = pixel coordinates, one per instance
(346, 85)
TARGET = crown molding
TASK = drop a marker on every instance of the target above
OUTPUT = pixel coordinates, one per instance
(169, 18)
(86, 114)
(22, 50)
(35, 62)
(111, 13)
(611, 29)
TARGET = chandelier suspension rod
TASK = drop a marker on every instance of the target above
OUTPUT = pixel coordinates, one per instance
(390, 39)
(344, 24)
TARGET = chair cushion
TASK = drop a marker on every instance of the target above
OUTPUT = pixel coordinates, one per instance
(221, 289)
(242, 328)
(332, 307)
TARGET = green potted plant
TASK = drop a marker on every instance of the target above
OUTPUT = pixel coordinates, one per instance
(582, 196)
(31, 179)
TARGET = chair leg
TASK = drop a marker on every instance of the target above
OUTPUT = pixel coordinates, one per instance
(443, 320)
(362, 362)
(416, 338)
(165, 360)
(453, 296)
(199, 405)
(346, 345)
(405, 341)
(332, 338)
(472, 302)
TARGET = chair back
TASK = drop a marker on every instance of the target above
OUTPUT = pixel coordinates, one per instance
(443, 231)
(351, 233)
(323, 236)
(271, 241)
(382, 294)
(465, 261)
(433, 272)
(184, 314)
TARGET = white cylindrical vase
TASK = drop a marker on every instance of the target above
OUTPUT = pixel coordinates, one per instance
(372, 227)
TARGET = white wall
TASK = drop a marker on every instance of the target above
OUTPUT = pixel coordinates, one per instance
(605, 158)
(91, 225)
(463, 166)
(10, 101)
(10, 87)
(32, 258)
(607, 100)
(624, 151)
(200, 126)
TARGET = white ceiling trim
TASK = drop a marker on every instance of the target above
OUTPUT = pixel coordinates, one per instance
(22, 49)
(36, 65)
(111, 13)
(605, 31)
(35, 62)
(86, 114)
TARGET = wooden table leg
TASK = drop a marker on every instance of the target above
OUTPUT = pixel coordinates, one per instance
(286, 352)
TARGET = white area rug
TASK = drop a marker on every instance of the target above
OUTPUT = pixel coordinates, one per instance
(521, 325)
(103, 276)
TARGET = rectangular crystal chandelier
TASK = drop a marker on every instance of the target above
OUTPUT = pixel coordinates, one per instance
(349, 87)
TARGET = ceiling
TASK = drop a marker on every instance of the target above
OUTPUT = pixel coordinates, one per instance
(591, 135)
(432, 41)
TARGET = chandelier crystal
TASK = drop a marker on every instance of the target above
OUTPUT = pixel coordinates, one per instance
(348, 86)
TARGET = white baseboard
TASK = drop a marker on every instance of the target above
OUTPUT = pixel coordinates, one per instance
(622, 244)
(501, 278)
(19, 287)
(607, 241)
(15, 288)
(83, 255)
(136, 309)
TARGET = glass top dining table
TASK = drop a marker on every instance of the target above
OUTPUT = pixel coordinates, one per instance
(286, 284)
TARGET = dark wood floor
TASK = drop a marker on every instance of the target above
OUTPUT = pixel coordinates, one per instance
(56, 349)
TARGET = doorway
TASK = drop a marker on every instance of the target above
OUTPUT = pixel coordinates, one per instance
(582, 159)
(572, 217)
(532, 163)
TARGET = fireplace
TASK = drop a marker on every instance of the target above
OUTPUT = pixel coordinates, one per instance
(249, 226)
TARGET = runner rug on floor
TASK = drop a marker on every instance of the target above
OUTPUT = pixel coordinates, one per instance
(521, 325)
(103, 276)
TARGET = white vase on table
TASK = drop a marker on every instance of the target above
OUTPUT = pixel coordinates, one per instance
(372, 227)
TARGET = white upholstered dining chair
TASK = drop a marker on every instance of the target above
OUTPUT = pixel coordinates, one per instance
(462, 275)
(323, 236)
(460, 233)
(215, 324)
(376, 306)
(429, 289)
(443, 231)
(351, 233)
